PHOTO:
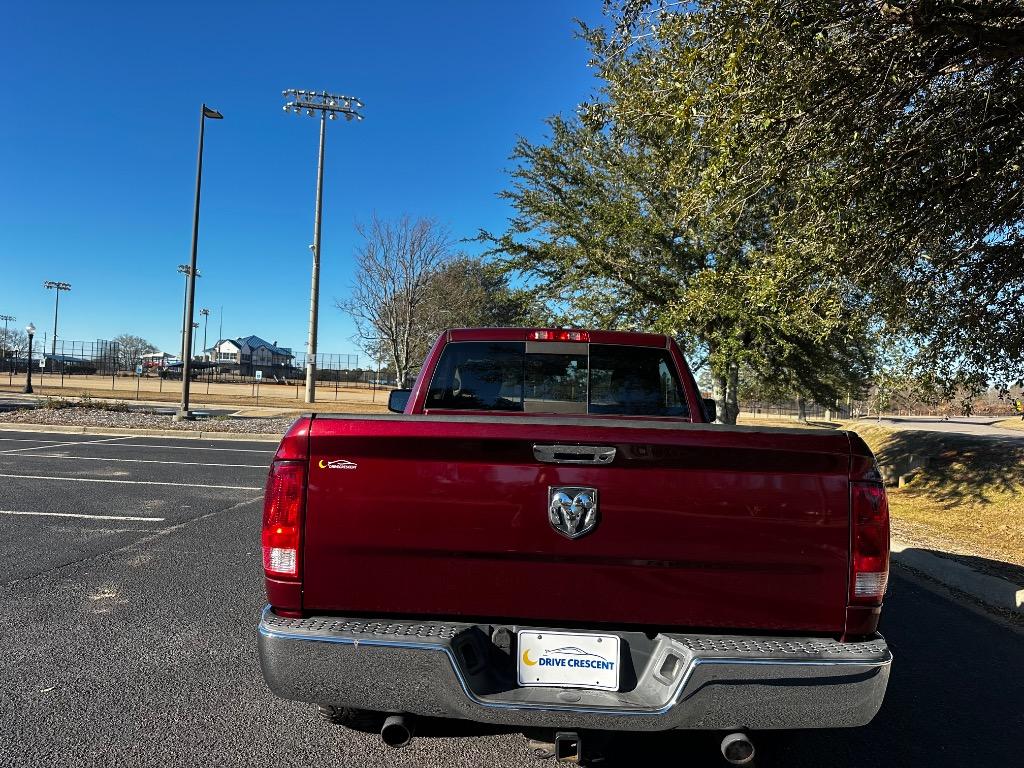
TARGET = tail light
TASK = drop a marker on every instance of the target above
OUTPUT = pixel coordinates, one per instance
(282, 518)
(559, 335)
(869, 561)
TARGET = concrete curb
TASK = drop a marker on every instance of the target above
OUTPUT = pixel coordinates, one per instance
(999, 593)
(181, 434)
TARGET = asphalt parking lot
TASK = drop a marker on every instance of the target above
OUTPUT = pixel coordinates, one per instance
(130, 584)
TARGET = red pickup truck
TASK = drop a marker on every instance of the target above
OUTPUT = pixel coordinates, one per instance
(552, 534)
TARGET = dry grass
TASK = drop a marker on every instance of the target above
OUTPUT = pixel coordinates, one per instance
(329, 400)
(968, 499)
(747, 421)
(1014, 423)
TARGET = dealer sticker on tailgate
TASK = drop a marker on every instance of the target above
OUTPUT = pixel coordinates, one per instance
(566, 660)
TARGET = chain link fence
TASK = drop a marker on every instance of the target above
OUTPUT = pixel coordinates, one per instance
(82, 364)
(63, 360)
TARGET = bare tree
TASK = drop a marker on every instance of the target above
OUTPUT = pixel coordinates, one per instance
(14, 342)
(395, 265)
(130, 350)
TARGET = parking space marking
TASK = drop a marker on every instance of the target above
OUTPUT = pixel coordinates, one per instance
(142, 461)
(31, 440)
(61, 445)
(193, 448)
(185, 485)
(87, 517)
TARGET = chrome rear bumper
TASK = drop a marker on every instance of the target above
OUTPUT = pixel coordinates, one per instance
(450, 669)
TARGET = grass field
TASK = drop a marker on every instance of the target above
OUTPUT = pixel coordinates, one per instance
(329, 399)
(1014, 423)
(970, 496)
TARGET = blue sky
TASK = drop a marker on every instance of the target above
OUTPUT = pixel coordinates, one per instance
(98, 142)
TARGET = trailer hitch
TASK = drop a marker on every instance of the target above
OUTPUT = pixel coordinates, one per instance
(568, 747)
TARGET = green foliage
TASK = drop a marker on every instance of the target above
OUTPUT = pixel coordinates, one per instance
(785, 185)
(613, 226)
(888, 134)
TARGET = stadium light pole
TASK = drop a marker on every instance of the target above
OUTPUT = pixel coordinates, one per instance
(205, 313)
(30, 329)
(329, 106)
(56, 286)
(3, 349)
(190, 290)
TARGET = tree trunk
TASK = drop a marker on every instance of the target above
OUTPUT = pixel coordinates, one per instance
(732, 396)
(725, 389)
(801, 406)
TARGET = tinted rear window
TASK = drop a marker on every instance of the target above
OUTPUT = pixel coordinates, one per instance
(578, 378)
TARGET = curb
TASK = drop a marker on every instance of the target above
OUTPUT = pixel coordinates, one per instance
(181, 434)
(991, 590)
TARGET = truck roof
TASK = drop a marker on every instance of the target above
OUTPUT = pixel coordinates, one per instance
(630, 338)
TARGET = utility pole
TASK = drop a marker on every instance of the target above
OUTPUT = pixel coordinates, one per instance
(329, 106)
(57, 286)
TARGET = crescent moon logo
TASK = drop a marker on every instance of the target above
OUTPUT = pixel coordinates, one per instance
(526, 659)
(322, 464)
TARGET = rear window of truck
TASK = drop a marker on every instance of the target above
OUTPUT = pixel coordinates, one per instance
(556, 378)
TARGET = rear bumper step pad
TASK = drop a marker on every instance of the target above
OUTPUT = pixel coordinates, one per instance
(451, 669)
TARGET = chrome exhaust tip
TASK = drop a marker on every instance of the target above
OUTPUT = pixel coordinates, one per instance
(738, 749)
(398, 730)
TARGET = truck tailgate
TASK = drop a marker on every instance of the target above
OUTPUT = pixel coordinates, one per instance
(700, 526)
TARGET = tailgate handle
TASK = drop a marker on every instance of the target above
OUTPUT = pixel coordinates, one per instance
(574, 454)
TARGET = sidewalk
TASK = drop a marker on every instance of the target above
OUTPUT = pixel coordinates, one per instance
(953, 573)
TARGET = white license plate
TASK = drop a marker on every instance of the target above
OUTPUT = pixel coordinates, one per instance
(567, 660)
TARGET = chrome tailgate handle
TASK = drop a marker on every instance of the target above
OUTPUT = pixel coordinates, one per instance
(574, 454)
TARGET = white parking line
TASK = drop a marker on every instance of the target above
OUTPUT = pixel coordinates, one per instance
(87, 517)
(192, 448)
(27, 440)
(185, 485)
(61, 445)
(142, 461)
(131, 445)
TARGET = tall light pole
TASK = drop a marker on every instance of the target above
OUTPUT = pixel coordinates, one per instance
(186, 270)
(3, 350)
(30, 329)
(190, 291)
(205, 313)
(56, 286)
(329, 106)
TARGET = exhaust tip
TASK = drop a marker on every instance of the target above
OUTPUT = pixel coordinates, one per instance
(738, 749)
(398, 730)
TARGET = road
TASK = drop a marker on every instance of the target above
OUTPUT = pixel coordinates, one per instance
(131, 587)
(965, 425)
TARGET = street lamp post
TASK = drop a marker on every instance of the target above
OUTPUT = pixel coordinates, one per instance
(57, 286)
(30, 329)
(329, 106)
(190, 290)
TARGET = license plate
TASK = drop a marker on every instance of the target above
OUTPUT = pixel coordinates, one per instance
(567, 660)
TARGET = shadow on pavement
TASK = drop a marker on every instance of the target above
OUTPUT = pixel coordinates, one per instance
(954, 700)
